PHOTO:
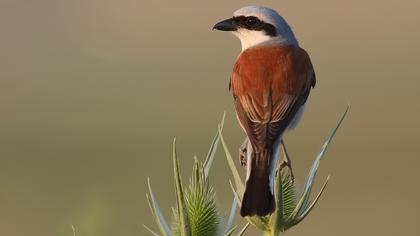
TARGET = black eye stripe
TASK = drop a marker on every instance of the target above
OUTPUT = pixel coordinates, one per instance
(253, 23)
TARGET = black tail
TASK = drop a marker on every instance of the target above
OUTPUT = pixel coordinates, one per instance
(258, 199)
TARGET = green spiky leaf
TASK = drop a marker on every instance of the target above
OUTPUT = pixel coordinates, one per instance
(182, 214)
(285, 201)
(150, 230)
(230, 232)
(200, 200)
(311, 206)
(231, 217)
(157, 214)
(277, 218)
(244, 229)
(195, 213)
(304, 199)
(240, 188)
(213, 147)
(289, 194)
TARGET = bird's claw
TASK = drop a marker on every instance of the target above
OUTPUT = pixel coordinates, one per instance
(243, 152)
(287, 161)
(242, 156)
(287, 164)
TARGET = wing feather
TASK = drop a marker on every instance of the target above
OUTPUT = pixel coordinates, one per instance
(269, 85)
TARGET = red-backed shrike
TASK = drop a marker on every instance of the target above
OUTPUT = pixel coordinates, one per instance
(270, 83)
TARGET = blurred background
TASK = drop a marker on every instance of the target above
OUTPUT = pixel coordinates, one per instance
(93, 92)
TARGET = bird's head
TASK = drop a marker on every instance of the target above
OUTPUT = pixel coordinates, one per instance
(255, 25)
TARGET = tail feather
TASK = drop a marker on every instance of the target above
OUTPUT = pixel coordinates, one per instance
(258, 198)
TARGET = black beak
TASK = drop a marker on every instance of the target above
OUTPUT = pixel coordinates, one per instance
(226, 25)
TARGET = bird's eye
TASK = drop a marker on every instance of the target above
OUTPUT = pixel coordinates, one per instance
(252, 21)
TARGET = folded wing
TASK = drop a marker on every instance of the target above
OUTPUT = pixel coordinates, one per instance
(269, 85)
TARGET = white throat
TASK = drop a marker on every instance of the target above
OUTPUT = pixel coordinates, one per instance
(251, 38)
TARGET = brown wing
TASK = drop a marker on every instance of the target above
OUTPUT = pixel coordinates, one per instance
(269, 85)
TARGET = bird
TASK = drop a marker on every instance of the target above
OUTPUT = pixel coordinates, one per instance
(270, 83)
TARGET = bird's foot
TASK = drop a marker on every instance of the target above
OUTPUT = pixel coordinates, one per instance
(287, 161)
(287, 164)
(242, 156)
(243, 152)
